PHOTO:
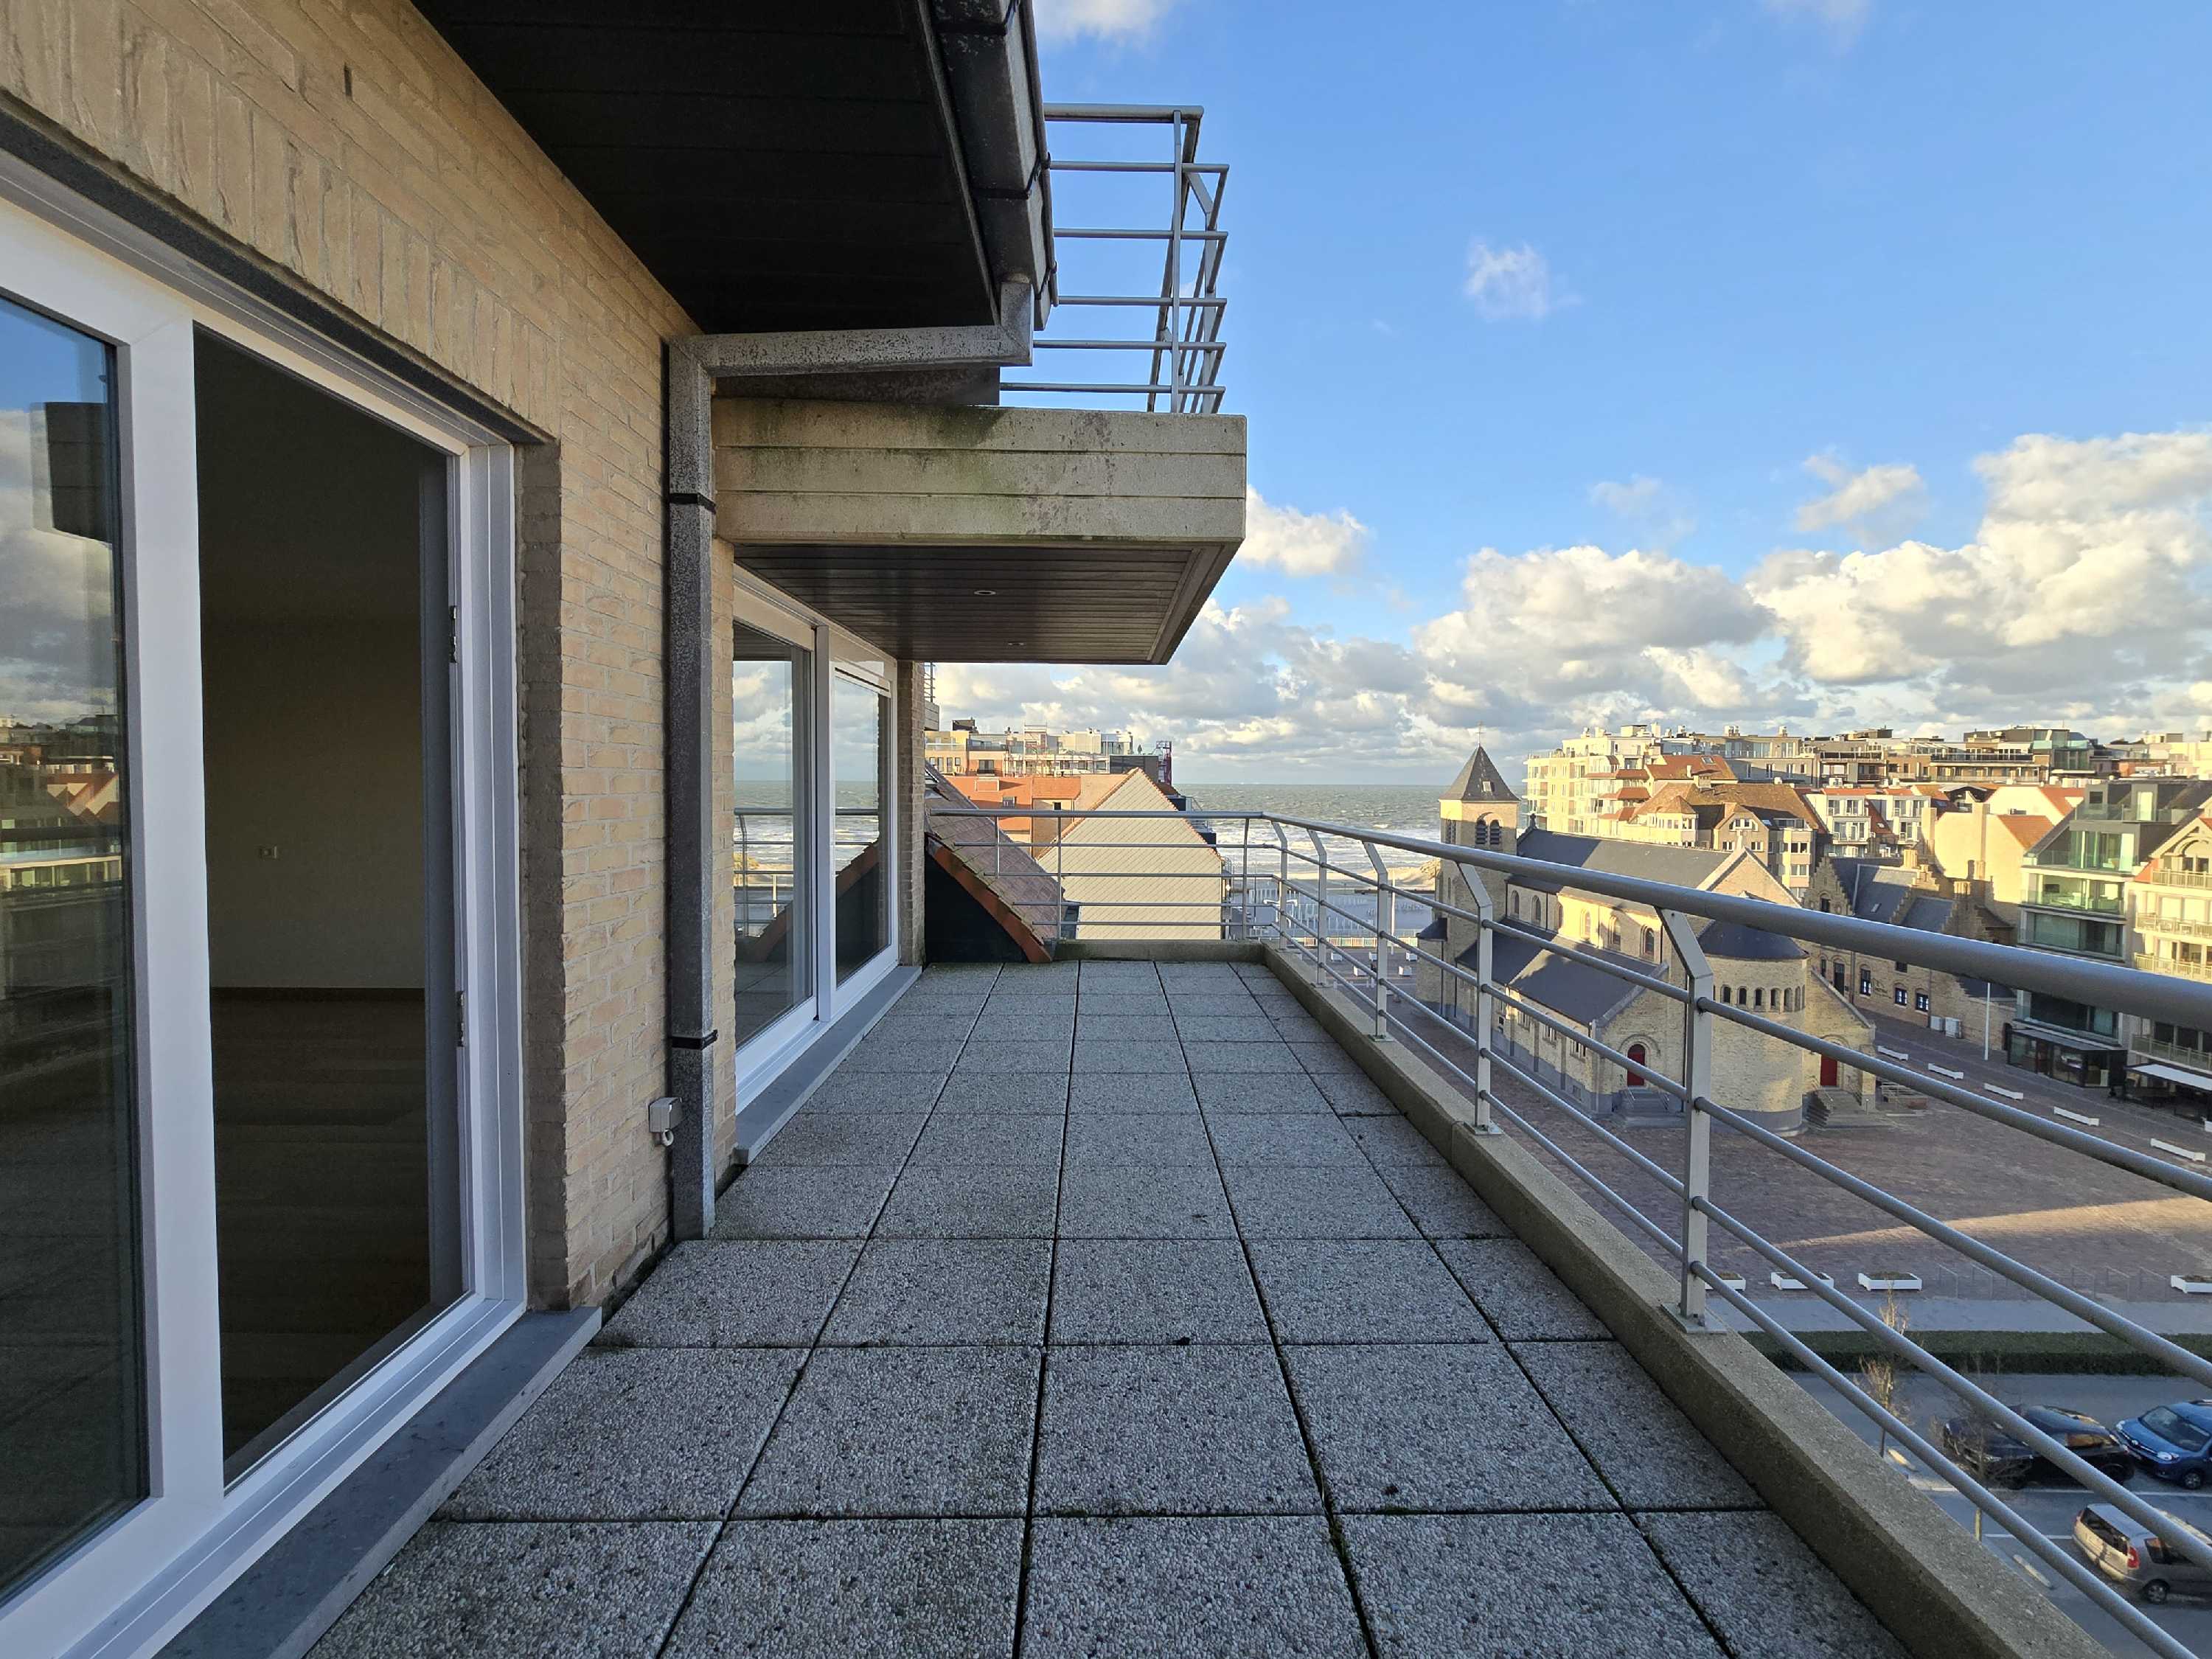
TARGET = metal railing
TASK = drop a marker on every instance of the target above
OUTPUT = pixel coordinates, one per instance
(1175, 329)
(2187, 967)
(1325, 893)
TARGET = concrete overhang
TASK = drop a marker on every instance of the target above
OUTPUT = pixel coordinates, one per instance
(865, 164)
(985, 534)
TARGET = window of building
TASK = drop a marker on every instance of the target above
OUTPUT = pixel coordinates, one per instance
(1898, 996)
(1866, 982)
(1920, 1001)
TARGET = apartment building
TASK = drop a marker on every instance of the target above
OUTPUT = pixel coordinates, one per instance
(2170, 915)
(1983, 839)
(2076, 901)
(499, 543)
(962, 749)
(1568, 787)
(1910, 892)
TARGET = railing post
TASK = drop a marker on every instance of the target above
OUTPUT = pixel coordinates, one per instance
(1320, 909)
(1485, 1008)
(1386, 929)
(1282, 881)
(1697, 1082)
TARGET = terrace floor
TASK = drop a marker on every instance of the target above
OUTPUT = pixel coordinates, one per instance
(1104, 1309)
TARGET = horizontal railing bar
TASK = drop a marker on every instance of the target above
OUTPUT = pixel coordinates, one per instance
(2031, 1536)
(2095, 1313)
(1043, 344)
(1135, 234)
(1642, 1161)
(2060, 1134)
(1582, 951)
(1138, 387)
(1966, 1389)
(2186, 1002)
(1179, 302)
(1115, 114)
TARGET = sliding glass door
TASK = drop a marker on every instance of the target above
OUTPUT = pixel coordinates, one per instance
(260, 1150)
(72, 1385)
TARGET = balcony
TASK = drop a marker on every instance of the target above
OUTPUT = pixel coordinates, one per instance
(2053, 899)
(1104, 1306)
(1212, 1291)
(2149, 922)
(2182, 966)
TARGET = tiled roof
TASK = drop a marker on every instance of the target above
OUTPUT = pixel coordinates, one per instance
(1479, 779)
(1684, 867)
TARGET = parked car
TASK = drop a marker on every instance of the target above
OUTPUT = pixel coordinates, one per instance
(1993, 1453)
(2174, 1442)
(2129, 1553)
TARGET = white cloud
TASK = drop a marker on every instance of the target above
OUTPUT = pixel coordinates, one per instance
(2083, 596)
(1103, 19)
(1842, 20)
(1300, 543)
(1511, 283)
(1877, 501)
(1659, 513)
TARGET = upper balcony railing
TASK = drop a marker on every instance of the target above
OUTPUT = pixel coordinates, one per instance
(1135, 280)
(1339, 899)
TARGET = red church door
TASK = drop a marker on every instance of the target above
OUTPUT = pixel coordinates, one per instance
(1636, 1053)
(1827, 1071)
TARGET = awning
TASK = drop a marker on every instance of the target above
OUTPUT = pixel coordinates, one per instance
(2187, 1079)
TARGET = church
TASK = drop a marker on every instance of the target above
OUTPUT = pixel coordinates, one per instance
(1765, 973)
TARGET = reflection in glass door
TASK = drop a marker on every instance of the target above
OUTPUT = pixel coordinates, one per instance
(858, 733)
(770, 681)
(72, 1394)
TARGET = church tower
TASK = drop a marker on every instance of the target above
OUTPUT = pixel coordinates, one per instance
(1478, 810)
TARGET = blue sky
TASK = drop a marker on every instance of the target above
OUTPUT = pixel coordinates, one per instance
(1745, 301)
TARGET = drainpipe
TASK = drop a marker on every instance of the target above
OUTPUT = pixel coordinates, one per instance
(697, 848)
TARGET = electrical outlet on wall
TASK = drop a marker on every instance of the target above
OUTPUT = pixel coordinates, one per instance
(268, 851)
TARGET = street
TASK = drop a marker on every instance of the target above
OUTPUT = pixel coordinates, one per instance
(2051, 1508)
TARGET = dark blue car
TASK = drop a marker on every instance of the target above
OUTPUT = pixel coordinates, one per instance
(2174, 1442)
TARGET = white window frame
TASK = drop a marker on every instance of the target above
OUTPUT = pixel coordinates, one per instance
(835, 650)
(132, 1583)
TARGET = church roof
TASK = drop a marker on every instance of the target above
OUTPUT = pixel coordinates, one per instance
(1479, 779)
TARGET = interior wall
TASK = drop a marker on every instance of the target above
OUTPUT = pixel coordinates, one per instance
(312, 692)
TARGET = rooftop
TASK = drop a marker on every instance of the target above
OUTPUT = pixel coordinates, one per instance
(1103, 1307)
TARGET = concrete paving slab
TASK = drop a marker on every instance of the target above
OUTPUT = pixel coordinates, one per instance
(1145, 1030)
(957, 1201)
(877, 1092)
(1271, 1057)
(902, 1052)
(1006, 1055)
(1028, 1019)
(1284, 1138)
(753, 1294)
(902, 1431)
(1227, 1028)
(1352, 1092)
(802, 1203)
(1197, 975)
(916, 1291)
(1388, 1139)
(602, 1444)
(1154, 1290)
(1248, 1092)
(568, 1589)
(1169, 1431)
(1142, 1141)
(1523, 1298)
(1506, 1586)
(1322, 1058)
(1239, 1588)
(1118, 976)
(1642, 1444)
(1093, 1054)
(1441, 1202)
(1142, 1092)
(1372, 1290)
(1215, 999)
(1433, 1426)
(1011, 1092)
(1334, 1200)
(1122, 1201)
(993, 1138)
(1120, 1003)
(856, 1589)
(1765, 1592)
(858, 1141)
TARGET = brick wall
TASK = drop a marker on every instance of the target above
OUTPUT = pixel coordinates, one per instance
(345, 146)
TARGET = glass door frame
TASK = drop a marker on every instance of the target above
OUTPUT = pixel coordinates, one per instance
(834, 651)
(133, 1581)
